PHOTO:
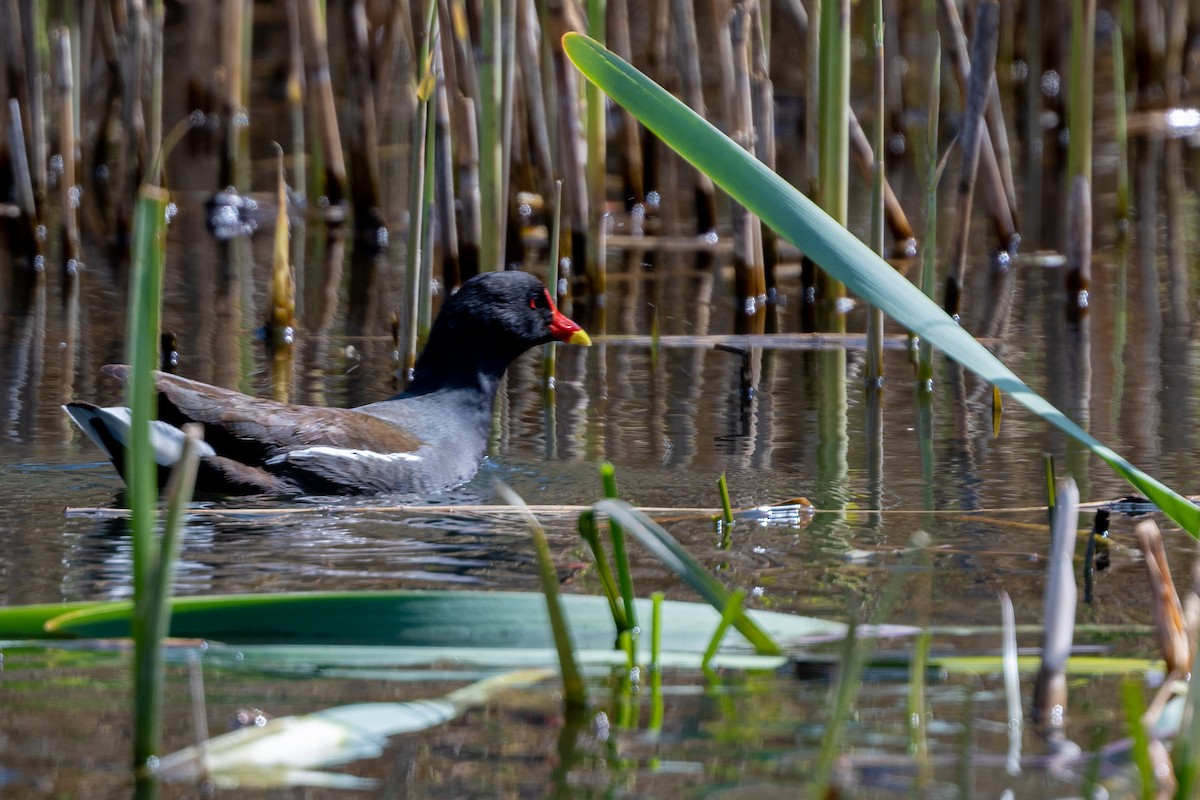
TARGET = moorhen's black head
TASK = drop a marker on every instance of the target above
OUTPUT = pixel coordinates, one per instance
(493, 318)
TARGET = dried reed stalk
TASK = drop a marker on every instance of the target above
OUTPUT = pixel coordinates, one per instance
(35, 129)
(529, 64)
(571, 154)
(1058, 616)
(683, 17)
(68, 180)
(1079, 244)
(1168, 610)
(634, 191)
(749, 277)
(893, 212)
(983, 59)
(443, 168)
(363, 139)
(316, 51)
(763, 103)
(1003, 217)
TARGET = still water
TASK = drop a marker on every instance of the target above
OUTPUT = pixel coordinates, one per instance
(671, 420)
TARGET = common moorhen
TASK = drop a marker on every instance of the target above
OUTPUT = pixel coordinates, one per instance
(425, 440)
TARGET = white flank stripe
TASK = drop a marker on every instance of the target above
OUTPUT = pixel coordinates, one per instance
(322, 451)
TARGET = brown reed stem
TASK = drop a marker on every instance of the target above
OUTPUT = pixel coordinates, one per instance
(36, 127)
(983, 59)
(1168, 610)
(571, 153)
(993, 183)
(443, 168)
(904, 238)
(316, 51)
(68, 181)
(363, 144)
(763, 103)
(683, 17)
(468, 190)
(747, 238)
(1079, 244)
(528, 60)
(634, 190)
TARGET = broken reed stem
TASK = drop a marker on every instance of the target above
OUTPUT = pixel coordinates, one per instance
(684, 20)
(1079, 244)
(1168, 610)
(993, 184)
(1058, 614)
(972, 138)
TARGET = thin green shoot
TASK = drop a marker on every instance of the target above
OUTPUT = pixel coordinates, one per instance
(590, 532)
(726, 505)
(682, 563)
(574, 691)
(733, 609)
(1135, 707)
(1051, 485)
(608, 477)
(917, 743)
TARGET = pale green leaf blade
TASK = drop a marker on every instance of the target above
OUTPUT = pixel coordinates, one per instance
(834, 248)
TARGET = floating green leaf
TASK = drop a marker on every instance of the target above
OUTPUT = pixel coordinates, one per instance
(439, 619)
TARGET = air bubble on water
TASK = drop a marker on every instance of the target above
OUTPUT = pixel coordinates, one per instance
(711, 237)
(172, 210)
(653, 200)
(72, 266)
(241, 118)
(749, 306)
(40, 233)
(289, 335)
(844, 305)
(39, 263)
(1082, 299)
(381, 236)
(74, 195)
(56, 164)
